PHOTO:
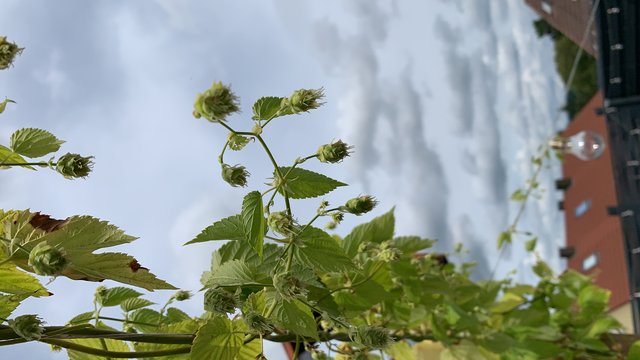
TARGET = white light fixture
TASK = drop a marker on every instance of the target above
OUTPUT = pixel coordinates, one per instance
(585, 145)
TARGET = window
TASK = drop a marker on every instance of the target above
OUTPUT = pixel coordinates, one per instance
(590, 261)
(582, 208)
(546, 6)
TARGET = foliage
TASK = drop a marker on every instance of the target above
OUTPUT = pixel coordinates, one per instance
(286, 280)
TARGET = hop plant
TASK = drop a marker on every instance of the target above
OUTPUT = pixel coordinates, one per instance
(216, 103)
(181, 295)
(281, 222)
(73, 166)
(257, 323)
(235, 175)
(372, 337)
(219, 301)
(360, 205)
(8, 52)
(304, 100)
(289, 286)
(237, 142)
(334, 152)
(28, 327)
(47, 260)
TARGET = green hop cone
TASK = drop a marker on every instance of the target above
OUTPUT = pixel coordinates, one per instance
(219, 301)
(181, 295)
(47, 260)
(289, 286)
(216, 103)
(360, 205)
(334, 152)
(281, 223)
(28, 327)
(73, 166)
(304, 100)
(372, 337)
(257, 323)
(235, 175)
(8, 52)
(237, 142)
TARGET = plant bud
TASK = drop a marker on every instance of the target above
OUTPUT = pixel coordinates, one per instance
(100, 293)
(182, 295)
(8, 52)
(304, 100)
(337, 217)
(289, 286)
(235, 175)
(334, 152)
(219, 301)
(73, 166)
(281, 222)
(360, 205)
(257, 323)
(28, 327)
(47, 260)
(331, 225)
(237, 142)
(216, 103)
(372, 337)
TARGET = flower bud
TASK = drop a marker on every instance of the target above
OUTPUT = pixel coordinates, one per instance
(360, 205)
(257, 323)
(337, 217)
(219, 301)
(216, 103)
(281, 222)
(304, 100)
(334, 152)
(237, 142)
(372, 337)
(181, 295)
(235, 175)
(74, 166)
(289, 286)
(47, 260)
(8, 52)
(28, 327)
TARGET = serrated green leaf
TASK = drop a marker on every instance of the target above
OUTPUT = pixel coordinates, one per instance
(250, 351)
(318, 250)
(217, 339)
(292, 315)
(269, 107)
(408, 245)
(3, 104)
(34, 143)
(110, 344)
(232, 273)
(530, 245)
(116, 295)
(253, 221)
(240, 250)
(7, 156)
(303, 184)
(175, 315)
(145, 320)
(508, 302)
(593, 300)
(135, 304)
(230, 228)
(603, 325)
(376, 231)
(17, 282)
(82, 318)
(115, 266)
(542, 269)
(183, 327)
(8, 303)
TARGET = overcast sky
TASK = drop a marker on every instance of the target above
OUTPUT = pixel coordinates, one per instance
(444, 101)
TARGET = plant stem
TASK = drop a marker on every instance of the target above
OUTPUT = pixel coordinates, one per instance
(116, 354)
(221, 156)
(28, 164)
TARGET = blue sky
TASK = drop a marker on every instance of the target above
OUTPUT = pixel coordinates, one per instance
(444, 101)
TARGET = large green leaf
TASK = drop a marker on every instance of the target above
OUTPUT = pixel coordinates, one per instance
(377, 231)
(318, 250)
(269, 107)
(292, 315)
(230, 228)
(110, 344)
(15, 281)
(508, 302)
(134, 304)
(253, 221)
(146, 320)
(34, 143)
(7, 156)
(116, 295)
(232, 273)
(408, 245)
(8, 303)
(186, 326)
(250, 351)
(240, 250)
(302, 184)
(217, 339)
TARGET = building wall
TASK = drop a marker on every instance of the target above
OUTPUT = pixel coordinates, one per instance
(589, 228)
(569, 17)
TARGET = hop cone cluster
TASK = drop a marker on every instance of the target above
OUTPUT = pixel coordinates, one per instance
(8, 52)
(73, 166)
(372, 337)
(281, 222)
(334, 152)
(28, 327)
(47, 260)
(219, 301)
(235, 175)
(216, 103)
(304, 100)
(360, 205)
(289, 286)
